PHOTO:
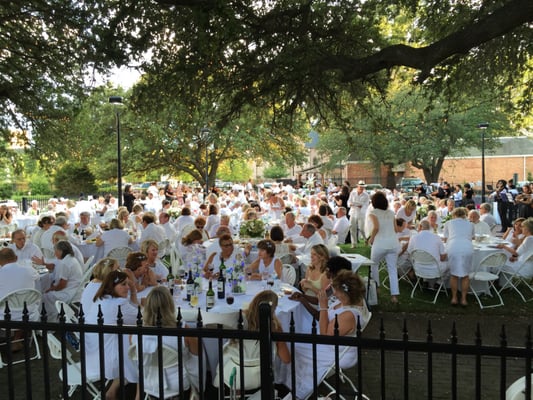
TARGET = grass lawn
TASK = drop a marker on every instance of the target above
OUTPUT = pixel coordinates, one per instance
(513, 303)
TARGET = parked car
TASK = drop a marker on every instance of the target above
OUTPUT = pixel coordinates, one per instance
(409, 184)
(371, 188)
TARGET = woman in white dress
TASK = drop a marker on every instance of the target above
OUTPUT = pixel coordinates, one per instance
(67, 277)
(384, 241)
(159, 309)
(459, 233)
(101, 269)
(112, 294)
(265, 264)
(115, 237)
(349, 310)
(151, 249)
(408, 213)
(523, 252)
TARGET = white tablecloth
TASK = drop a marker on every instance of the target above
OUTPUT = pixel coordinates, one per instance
(24, 221)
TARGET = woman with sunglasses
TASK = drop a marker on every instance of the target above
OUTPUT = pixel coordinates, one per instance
(116, 292)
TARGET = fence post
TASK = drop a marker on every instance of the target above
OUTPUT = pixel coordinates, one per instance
(265, 347)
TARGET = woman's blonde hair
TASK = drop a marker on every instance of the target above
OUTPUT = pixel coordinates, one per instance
(323, 252)
(146, 244)
(252, 314)
(459, 212)
(104, 267)
(159, 307)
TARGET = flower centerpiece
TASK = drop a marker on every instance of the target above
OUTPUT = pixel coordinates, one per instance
(174, 213)
(254, 228)
(444, 220)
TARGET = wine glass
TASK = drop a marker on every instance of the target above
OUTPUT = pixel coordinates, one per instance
(270, 281)
(230, 299)
(194, 299)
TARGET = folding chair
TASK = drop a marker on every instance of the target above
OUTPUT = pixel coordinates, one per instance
(84, 280)
(484, 272)
(426, 266)
(120, 254)
(288, 274)
(73, 368)
(517, 390)
(17, 300)
(522, 275)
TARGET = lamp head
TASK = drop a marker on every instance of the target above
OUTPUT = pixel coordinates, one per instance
(483, 125)
(115, 100)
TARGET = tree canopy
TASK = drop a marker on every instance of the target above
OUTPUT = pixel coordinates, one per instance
(252, 71)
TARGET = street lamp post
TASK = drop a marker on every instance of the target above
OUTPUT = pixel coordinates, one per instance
(204, 133)
(483, 126)
(117, 100)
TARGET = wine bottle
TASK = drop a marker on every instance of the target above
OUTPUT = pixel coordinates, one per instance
(210, 296)
(221, 285)
(170, 282)
(190, 286)
(83, 234)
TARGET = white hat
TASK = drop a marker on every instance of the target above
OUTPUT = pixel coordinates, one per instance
(361, 183)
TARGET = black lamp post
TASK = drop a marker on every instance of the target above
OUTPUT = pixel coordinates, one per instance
(483, 126)
(204, 134)
(117, 100)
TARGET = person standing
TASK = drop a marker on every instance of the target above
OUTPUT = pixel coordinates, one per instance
(358, 203)
(504, 199)
(459, 233)
(384, 242)
(129, 198)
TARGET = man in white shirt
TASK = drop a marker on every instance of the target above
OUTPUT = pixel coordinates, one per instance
(164, 222)
(429, 242)
(341, 226)
(15, 276)
(290, 228)
(150, 229)
(312, 238)
(480, 227)
(61, 224)
(485, 210)
(358, 202)
(23, 249)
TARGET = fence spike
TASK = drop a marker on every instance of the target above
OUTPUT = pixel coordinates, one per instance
(62, 317)
(120, 317)
(240, 322)
(382, 329)
(292, 328)
(7, 312)
(100, 315)
(454, 333)
(179, 318)
(503, 336)
(429, 332)
(199, 321)
(404, 330)
(44, 316)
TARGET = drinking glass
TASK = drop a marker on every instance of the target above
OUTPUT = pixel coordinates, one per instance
(194, 299)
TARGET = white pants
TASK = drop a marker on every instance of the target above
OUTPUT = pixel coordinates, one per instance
(357, 222)
(391, 258)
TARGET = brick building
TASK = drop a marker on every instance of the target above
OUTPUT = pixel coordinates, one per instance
(513, 156)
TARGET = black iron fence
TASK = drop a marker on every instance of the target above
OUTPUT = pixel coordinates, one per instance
(441, 365)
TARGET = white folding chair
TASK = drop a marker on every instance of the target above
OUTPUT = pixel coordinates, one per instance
(16, 301)
(84, 280)
(163, 248)
(170, 359)
(522, 275)
(288, 274)
(120, 254)
(426, 266)
(73, 368)
(485, 272)
(517, 390)
(88, 263)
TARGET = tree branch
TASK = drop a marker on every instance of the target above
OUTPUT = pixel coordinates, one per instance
(500, 22)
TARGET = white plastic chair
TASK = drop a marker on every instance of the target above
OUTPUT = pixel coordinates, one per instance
(16, 300)
(484, 273)
(426, 266)
(170, 359)
(73, 368)
(513, 278)
(84, 280)
(163, 246)
(120, 254)
(288, 274)
(517, 390)
(87, 263)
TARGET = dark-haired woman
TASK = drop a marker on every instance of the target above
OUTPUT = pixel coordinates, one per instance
(265, 264)
(116, 291)
(384, 241)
